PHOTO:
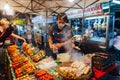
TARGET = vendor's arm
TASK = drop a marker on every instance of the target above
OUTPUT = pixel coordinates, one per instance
(50, 41)
(58, 45)
(18, 37)
(51, 45)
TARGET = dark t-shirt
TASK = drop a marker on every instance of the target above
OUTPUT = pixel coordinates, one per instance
(67, 32)
(61, 37)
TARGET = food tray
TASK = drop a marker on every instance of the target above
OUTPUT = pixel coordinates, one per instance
(63, 57)
(82, 77)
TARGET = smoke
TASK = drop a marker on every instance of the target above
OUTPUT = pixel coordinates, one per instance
(68, 38)
(75, 55)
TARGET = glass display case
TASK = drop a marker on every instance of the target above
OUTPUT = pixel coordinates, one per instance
(96, 28)
(76, 25)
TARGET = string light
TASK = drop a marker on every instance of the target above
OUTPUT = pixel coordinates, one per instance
(7, 6)
(8, 10)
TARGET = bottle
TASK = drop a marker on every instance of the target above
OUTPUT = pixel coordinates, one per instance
(99, 24)
(95, 25)
(104, 24)
(55, 51)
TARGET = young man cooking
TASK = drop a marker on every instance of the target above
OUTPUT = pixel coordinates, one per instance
(60, 35)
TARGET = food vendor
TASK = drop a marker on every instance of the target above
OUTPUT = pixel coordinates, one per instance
(60, 35)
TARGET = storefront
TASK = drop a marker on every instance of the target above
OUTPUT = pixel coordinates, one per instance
(97, 21)
(93, 23)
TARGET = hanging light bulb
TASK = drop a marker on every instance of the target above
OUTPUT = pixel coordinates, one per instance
(7, 6)
(8, 10)
(71, 0)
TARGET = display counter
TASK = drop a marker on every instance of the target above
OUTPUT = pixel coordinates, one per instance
(25, 66)
(46, 68)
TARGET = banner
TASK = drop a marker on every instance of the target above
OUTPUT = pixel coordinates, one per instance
(90, 11)
(19, 22)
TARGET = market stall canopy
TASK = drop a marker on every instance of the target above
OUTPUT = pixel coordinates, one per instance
(47, 7)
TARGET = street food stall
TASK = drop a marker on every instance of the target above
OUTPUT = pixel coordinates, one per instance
(32, 64)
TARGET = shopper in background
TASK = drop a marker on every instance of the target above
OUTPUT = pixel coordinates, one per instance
(60, 35)
(6, 31)
(12, 39)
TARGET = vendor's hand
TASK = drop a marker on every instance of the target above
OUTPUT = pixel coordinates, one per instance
(73, 45)
(1, 43)
(54, 47)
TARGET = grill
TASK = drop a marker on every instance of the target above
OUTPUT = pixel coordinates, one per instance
(102, 61)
